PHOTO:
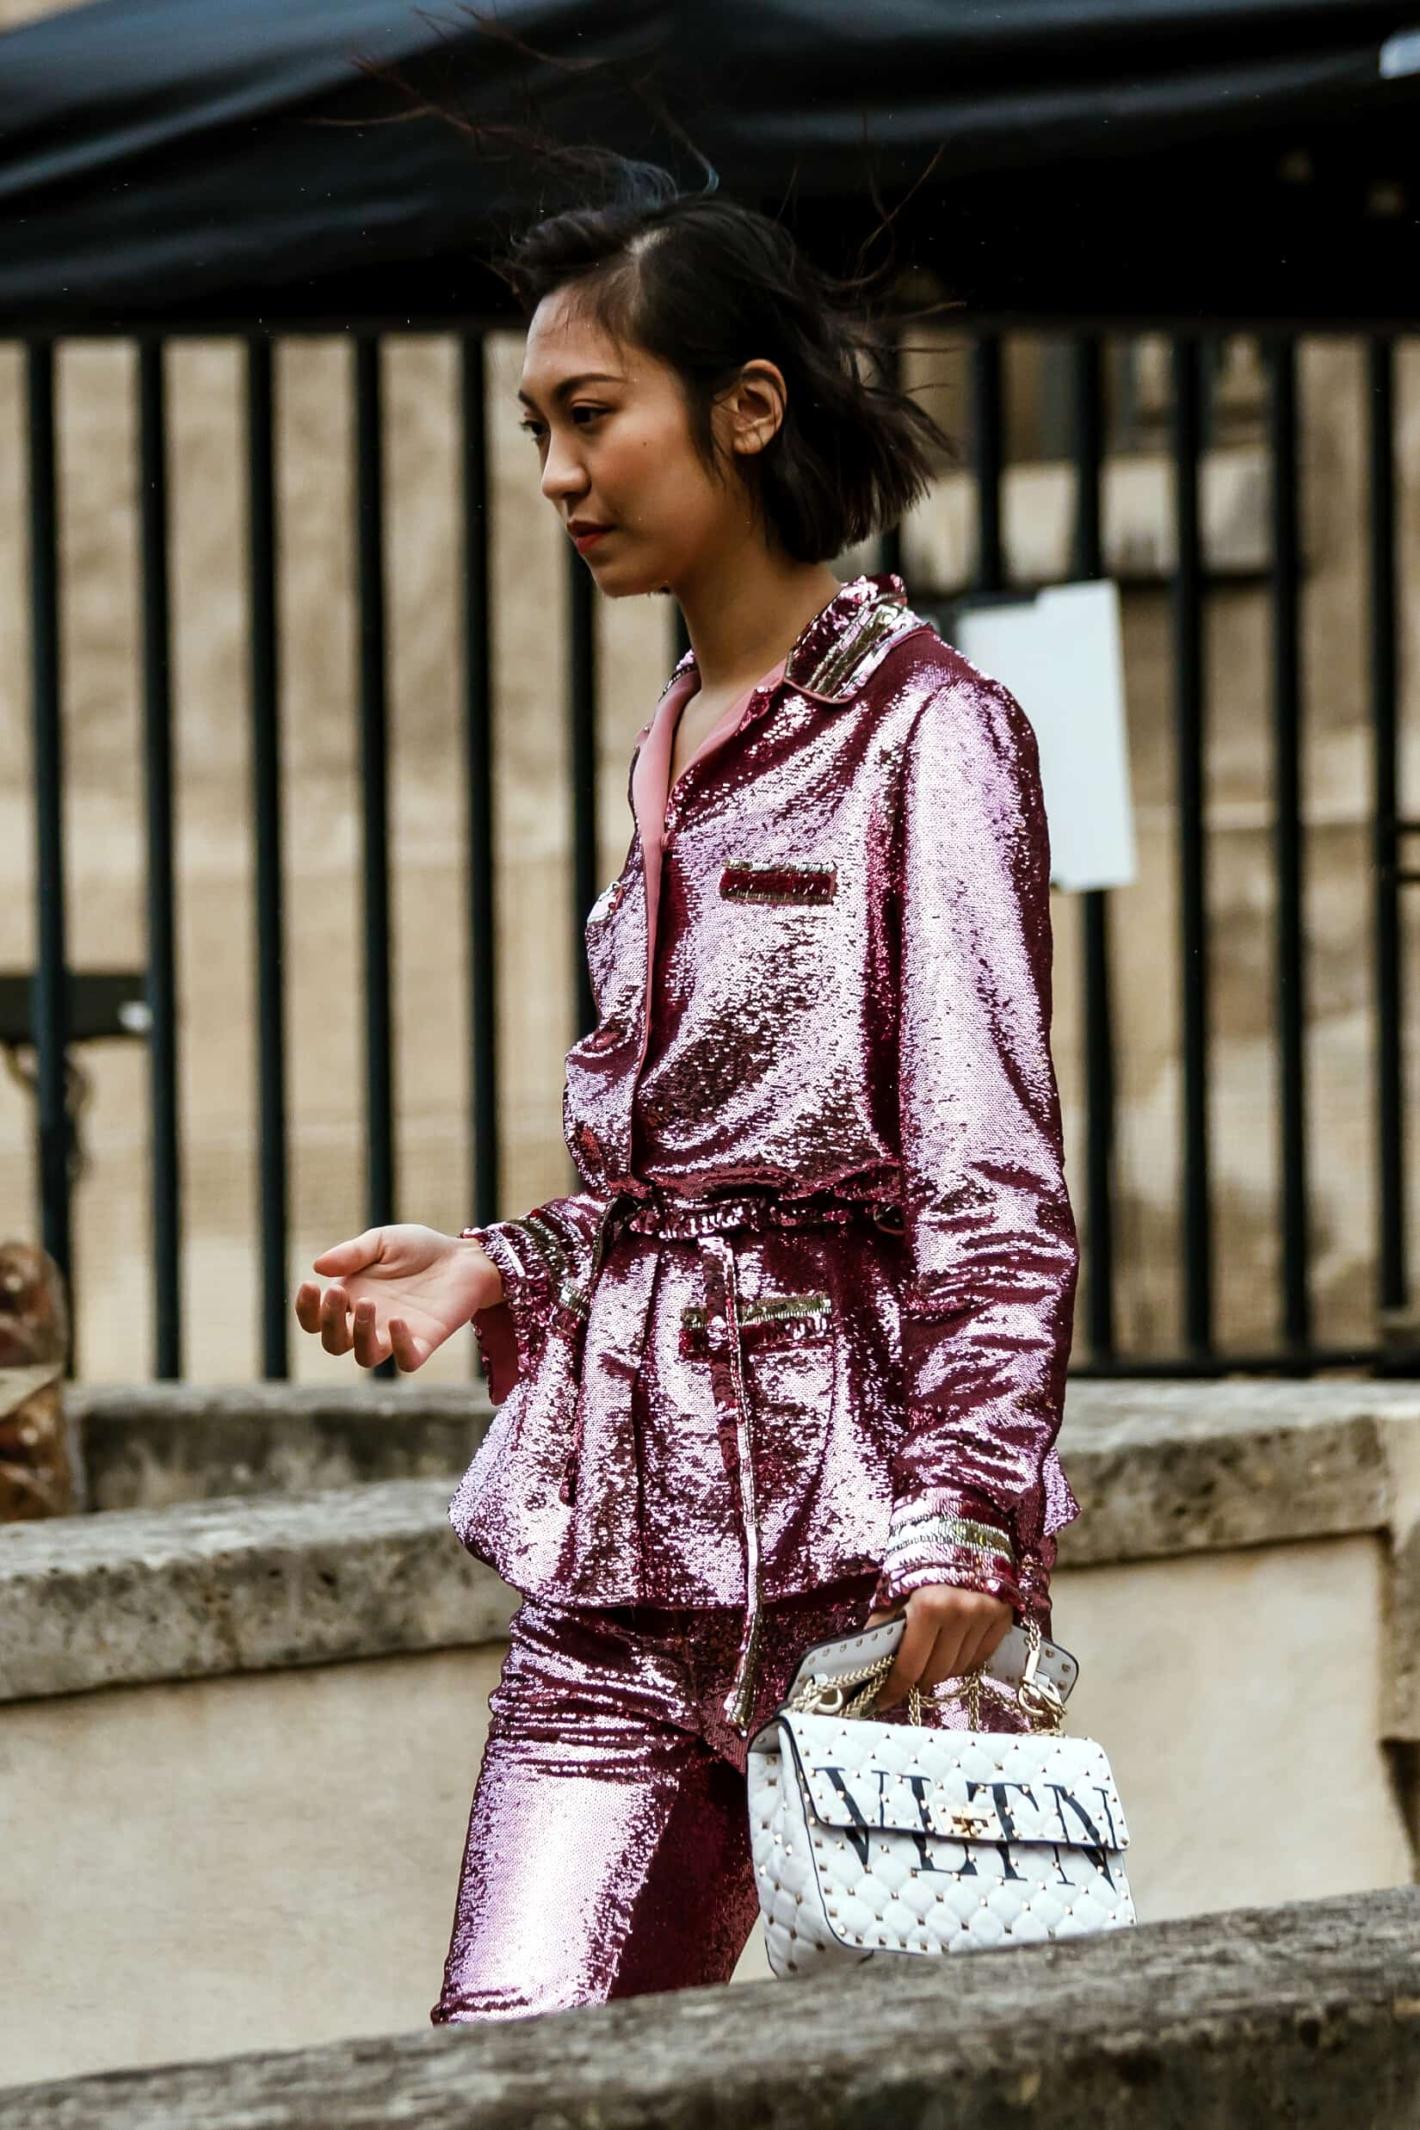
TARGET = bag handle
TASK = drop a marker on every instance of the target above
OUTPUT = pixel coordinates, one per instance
(1035, 1694)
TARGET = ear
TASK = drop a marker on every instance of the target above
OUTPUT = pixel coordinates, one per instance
(753, 407)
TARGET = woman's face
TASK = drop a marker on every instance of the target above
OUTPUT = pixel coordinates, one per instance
(613, 440)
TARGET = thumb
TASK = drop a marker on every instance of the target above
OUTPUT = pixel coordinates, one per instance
(350, 1256)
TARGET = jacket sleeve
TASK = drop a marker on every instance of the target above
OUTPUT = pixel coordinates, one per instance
(988, 1300)
(541, 1256)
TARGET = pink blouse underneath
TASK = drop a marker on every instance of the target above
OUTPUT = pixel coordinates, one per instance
(650, 782)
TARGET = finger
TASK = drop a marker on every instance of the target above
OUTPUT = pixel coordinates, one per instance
(969, 1655)
(919, 1632)
(959, 1645)
(408, 1351)
(334, 1333)
(985, 1644)
(370, 1348)
(308, 1305)
(945, 1661)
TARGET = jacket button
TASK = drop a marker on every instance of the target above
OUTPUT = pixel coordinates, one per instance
(717, 1334)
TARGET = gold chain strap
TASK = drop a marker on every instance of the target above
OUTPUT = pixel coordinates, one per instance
(1039, 1698)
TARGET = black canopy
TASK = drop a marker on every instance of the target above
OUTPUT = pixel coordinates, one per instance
(1132, 161)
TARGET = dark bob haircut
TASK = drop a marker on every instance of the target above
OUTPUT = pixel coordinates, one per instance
(705, 286)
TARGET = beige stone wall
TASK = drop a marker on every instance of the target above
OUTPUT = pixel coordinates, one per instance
(14, 14)
(291, 1880)
(1337, 769)
(102, 715)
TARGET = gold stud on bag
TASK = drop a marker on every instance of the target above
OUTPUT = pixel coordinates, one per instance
(873, 1839)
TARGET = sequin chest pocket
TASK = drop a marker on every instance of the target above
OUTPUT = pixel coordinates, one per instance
(787, 881)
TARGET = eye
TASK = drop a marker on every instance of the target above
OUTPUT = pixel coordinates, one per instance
(532, 428)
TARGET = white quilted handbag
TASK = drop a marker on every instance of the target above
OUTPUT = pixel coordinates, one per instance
(876, 1838)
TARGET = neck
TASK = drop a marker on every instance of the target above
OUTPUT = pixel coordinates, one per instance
(745, 611)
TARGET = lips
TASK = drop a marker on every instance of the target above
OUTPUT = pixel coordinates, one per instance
(586, 535)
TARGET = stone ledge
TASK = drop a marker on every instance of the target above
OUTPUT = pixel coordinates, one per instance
(1307, 2012)
(143, 1445)
(1159, 1467)
(239, 1585)
(1173, 1467)
(262, 1577)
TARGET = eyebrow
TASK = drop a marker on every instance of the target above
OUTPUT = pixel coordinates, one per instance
(570, 384)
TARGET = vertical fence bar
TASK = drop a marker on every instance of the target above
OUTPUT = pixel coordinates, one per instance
(484, 1185)
(890, 539)
(1097, 1007)
(266, 808)
(485, 1181)
(1290, 944)
(1087, 437)
(166, 1183)
(890, 548)
(987, 454)
(1193, 972)
(51, 978)
(1392, 1272)
(374, 787)
(582, 713)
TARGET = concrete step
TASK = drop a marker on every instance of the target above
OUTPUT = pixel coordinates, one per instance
(1304, 2013)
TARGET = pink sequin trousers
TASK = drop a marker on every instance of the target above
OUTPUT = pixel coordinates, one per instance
(608, 1848)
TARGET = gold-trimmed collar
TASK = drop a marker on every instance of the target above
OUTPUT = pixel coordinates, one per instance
(834, 652)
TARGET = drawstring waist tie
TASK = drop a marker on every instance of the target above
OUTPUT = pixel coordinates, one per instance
(652, 1210)
(670, 1213)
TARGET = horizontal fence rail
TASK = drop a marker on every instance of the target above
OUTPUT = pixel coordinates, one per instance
(47, 998)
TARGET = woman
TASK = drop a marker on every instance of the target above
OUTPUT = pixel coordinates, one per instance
(794, 1359)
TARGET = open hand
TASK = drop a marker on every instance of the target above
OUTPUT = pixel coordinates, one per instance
(401, 1290)
(948, 1631)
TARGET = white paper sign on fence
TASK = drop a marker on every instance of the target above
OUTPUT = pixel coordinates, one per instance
(1061, 654)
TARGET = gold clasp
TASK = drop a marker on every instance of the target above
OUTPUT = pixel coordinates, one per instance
(1041, 1698)
(1038, 1696)
(821, 1696)
(969, 1823)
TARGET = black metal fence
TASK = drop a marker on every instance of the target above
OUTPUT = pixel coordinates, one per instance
(50, 1008)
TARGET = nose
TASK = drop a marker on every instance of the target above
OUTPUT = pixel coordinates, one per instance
(563, 479)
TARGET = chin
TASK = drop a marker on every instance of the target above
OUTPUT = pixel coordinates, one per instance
(629, 584)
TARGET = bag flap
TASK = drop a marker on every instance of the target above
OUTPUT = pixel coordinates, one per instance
(973, 1785)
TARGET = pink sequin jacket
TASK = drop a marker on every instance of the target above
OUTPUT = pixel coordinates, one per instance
(811, 1313)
